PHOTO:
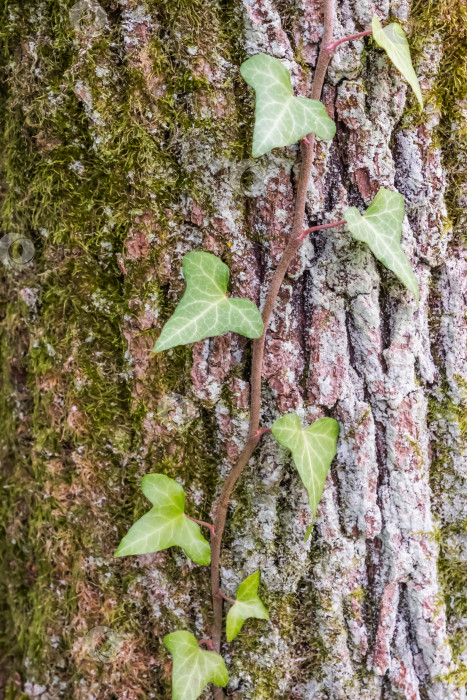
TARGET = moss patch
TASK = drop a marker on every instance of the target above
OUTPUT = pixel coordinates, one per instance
(448, 19)
(92, 142)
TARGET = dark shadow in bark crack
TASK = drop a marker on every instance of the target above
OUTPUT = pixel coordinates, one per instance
(374, 558)
(386, 308)
(353, 360)
(420, 668)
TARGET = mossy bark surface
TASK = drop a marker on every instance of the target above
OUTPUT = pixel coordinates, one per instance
(126, 144)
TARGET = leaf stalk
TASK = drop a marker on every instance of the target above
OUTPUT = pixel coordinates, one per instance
(333, 46)
(210, 526)
(333, 224)
(222, 595)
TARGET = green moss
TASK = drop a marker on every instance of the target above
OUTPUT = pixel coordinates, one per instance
(91, 149)
(445, 413)
(448, 19)
(358, 594)
(12, 692)
(453, 574)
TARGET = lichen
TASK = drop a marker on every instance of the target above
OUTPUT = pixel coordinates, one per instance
(447, 415)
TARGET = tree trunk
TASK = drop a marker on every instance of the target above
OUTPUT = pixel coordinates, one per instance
(127, 144)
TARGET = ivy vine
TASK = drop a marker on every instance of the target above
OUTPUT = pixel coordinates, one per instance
(205, 311)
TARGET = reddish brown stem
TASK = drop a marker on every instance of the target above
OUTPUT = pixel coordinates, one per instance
(333, 224)
(254, 433)
(222, 595)
(202, 523)
(216, 541)
(332, 47)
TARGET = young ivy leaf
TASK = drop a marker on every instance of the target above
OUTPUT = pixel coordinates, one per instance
(248, 605)
(166, 524)
(392, 39)
(193, 668)
(205, 310)
(280, 118)
(313, 450)
(380, 228)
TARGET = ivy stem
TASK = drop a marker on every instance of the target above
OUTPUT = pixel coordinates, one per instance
(332, 47)
(202, 523)
(254, 433)
(333, 224)
(222, 595)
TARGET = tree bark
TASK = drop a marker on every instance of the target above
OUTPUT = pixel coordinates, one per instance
(126, 144)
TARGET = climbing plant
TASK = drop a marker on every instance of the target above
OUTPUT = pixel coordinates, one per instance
(206, 310)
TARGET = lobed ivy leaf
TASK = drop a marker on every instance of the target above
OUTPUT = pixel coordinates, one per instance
(205, 310)
(248, 605)
(280, 118)
(380, 228)
(166, 524)
(392, 39)
(193, 668)
(313, 450)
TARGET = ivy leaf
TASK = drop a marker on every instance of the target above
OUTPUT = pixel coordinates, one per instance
(392, 39)
(313, 450)
(166, 524)
(193, 668)
(248, 605)
(380, 228)
(205, 310)
(280, 118)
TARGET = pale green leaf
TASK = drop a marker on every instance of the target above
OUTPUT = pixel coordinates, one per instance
(280, 118)
(248, 605)
(313, 450)
(166, 524)
(205, 310)
(380, 228)
(193, 668)
(392, 39)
